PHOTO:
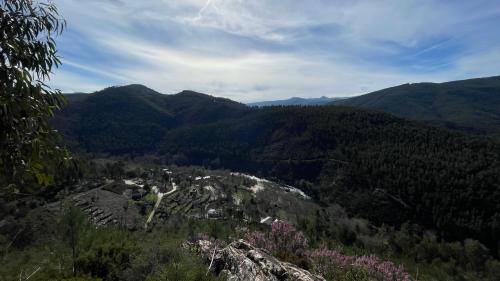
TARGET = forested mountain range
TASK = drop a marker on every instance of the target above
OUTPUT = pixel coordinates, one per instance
(472, 105)
(135, 118)
(378, 166)
(296, 101)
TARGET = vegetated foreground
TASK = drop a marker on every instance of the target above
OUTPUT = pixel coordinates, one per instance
(97, 229)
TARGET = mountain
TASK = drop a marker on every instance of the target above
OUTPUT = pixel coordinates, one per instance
(378, 166)
(472, 104)
(296, 101)
(135, 118)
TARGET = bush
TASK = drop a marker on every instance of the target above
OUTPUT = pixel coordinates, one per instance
(476, 254)
(493, 269)
(283, 240)
(325, 260)
(108, 251)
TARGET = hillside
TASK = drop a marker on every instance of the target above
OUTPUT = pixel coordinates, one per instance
(296, 101)
(135, 118)
(378, 166)
(134, 215)
(472, 105)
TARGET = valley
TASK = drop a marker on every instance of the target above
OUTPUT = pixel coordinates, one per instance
(176, 174)
(378, 166)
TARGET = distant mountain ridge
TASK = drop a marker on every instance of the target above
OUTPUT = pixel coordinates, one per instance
(472, 104)
(296, 101)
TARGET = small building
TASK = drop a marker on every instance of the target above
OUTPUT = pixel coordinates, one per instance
(213, 214)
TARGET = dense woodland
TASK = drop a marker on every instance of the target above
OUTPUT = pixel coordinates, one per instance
(467, 105)
(380, 167)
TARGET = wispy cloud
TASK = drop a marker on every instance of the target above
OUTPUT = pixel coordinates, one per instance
(253, 50)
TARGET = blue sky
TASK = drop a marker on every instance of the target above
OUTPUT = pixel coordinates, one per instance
(272, 49)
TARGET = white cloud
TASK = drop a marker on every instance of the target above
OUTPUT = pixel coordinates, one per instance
(254, 50)
(72, 83)
(483, 64)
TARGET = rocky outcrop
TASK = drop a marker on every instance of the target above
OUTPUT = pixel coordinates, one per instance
(240, 261)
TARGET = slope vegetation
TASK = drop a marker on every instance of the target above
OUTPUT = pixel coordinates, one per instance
(135, 118)
(472, 104)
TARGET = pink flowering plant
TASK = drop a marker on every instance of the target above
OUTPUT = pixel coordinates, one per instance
(325, 260)
(284, 240)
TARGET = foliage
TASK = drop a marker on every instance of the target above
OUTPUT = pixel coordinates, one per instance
(112, 253)
(421, 253)
(27, 57)
(286, 242)
(115, 253)
(283, 239)
(326, 260)
(73, 225)
(378, 254)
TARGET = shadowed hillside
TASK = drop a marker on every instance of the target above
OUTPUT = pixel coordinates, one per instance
(135, 118)
(472, 105)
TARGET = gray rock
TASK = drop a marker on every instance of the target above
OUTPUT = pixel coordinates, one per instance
(240, 261)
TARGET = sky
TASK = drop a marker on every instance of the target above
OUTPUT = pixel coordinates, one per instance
(274, 49)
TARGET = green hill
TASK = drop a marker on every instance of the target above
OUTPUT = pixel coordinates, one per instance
(472, 105)
(135, 118)
(376, 165)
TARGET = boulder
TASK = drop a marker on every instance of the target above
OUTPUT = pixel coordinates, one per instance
(240, 261)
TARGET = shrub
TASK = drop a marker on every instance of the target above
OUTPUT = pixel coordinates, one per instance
(492, 269)
(282, 240)
(324, 260)
(476, 254)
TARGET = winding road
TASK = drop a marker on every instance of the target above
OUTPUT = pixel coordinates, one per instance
(158, 201)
